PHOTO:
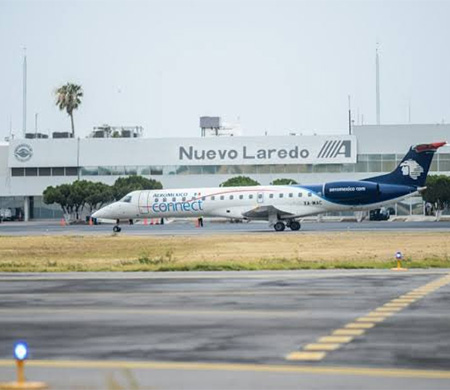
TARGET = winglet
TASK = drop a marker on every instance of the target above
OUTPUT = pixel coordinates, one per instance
(429, 147)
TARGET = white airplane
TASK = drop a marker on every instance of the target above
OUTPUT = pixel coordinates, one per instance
(281, 206)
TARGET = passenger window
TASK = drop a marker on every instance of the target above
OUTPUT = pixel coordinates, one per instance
(222, 197)
(156, 200)
(213, 197)
(193, 198)
(174, 199)
(241, 196)
(183, 199)
(300, 194)
(250, 196)
(291, 195)
(164, 200)
(270, 196)
(203, 197)
(309, 194)
(231, 197)
(281, 195)
(260, 196)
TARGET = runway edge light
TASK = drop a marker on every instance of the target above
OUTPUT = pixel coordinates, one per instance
(399, 257)
(20, 355)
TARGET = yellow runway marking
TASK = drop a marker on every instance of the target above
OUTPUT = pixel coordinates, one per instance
(321, 347)
(349, 332)
(187, 366)
(335, 339)
(389, 304)
(404, 300)
(359, 325)
(392, 310)
(311, 356)
(370, 319)
(378, 315)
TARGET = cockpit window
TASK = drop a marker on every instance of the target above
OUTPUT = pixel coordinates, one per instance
(126, 199)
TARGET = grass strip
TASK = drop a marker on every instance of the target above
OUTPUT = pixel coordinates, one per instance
(271, 251)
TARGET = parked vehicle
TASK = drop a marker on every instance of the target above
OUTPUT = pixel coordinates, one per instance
(379, 215)
(6, 214)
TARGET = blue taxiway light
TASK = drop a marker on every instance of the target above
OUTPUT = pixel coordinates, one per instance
(21, 350)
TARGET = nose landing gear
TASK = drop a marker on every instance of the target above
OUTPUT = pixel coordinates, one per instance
(117, 228)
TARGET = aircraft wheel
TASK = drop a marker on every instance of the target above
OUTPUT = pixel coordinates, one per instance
(295, 225)
(117, 229)
(279, 226)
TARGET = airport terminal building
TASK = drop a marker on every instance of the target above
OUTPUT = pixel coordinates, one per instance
(29, 166)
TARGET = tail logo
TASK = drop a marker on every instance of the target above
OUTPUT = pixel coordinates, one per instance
(411, 168)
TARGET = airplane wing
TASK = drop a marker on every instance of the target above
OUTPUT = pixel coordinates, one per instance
(263, 212)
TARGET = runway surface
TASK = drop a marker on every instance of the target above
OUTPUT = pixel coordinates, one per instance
(188, 228)
(230, 330)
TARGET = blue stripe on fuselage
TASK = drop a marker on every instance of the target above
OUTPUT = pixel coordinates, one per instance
(387, 193)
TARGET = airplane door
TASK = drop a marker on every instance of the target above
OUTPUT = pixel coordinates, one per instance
(142, 202)
(260, 197)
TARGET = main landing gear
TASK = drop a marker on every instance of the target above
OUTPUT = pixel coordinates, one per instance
(293, 225)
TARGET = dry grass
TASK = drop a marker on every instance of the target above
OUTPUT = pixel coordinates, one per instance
(266, 251)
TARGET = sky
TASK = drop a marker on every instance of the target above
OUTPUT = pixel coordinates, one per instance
(274, 66)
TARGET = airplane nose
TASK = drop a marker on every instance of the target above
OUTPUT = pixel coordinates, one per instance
(102, 213)
(97, 214)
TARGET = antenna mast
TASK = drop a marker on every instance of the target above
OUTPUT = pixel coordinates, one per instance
(377, 67)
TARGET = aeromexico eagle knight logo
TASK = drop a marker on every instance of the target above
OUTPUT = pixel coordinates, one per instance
(23, 152)
(411, 168)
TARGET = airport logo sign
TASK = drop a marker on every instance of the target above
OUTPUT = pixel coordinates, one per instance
(411, 168)
(333, 149)
(23, 152)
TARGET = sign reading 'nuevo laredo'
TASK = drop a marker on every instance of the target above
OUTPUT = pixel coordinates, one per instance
(318, 150)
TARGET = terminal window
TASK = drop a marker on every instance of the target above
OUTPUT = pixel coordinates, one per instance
(71, 171)
(45, 171)
(31, 171)
(59, 171)
(17, 172)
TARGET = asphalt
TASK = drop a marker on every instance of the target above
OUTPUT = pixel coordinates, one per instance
(231, 330)
(188, 228)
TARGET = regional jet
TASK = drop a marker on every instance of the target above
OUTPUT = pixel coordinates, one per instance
(281, 206)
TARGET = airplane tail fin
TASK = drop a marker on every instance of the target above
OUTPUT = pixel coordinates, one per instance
(413, 169)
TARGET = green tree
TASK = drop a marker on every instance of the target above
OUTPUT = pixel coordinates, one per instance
(437, 192)
(68, 98)
(240, 181)
(124, 185)
(283, 182)
(72, 198)
(99, 194)
(59, 195)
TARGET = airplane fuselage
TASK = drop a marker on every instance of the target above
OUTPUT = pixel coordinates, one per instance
(245, 202)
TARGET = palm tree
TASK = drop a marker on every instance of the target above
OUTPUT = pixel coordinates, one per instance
(68, 97)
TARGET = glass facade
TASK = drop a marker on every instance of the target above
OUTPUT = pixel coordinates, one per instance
(366, 163)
